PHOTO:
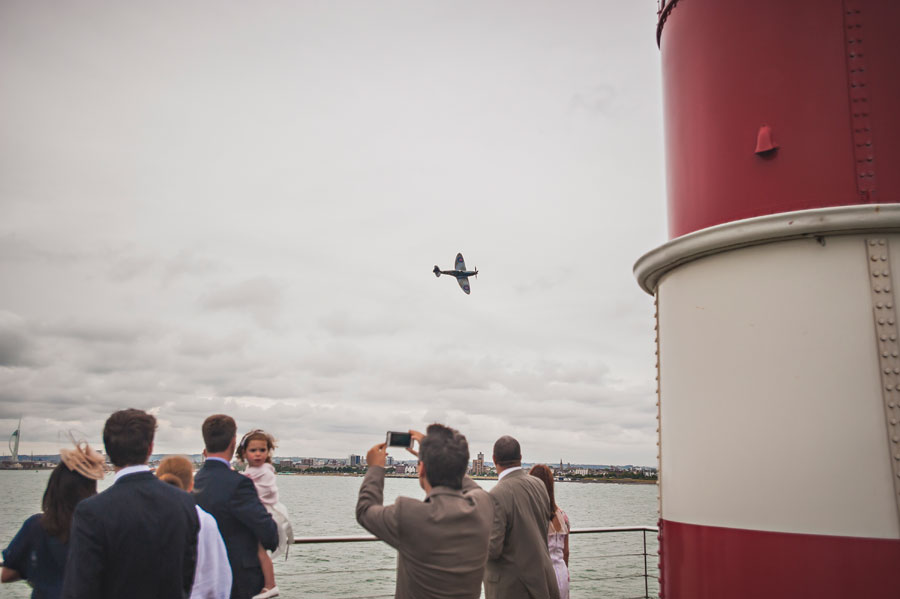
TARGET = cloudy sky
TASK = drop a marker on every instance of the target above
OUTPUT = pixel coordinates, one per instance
(235, 207)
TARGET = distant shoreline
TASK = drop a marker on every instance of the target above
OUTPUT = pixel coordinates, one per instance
(614, 481)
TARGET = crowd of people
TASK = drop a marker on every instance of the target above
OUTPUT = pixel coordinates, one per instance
(213, 536)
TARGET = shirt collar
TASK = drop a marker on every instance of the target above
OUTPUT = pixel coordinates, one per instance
(223, 460)
(435, 491)
(131, 470)
(507, 471)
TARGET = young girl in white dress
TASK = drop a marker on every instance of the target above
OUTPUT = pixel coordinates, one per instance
(557, 532)
(256, 449)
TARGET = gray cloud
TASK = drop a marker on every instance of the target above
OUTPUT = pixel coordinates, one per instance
(15, 341)
(111, 329)
(194, 226)
(187, 263)
(596, 99)
(259, 297)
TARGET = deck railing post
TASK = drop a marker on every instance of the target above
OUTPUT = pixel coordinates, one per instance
(646, 586)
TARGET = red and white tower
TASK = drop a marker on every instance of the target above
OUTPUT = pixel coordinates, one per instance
(777, 316)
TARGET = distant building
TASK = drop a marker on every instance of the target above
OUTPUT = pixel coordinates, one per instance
(389, 461)
(400, 468)
(478, 465)
(355, 460)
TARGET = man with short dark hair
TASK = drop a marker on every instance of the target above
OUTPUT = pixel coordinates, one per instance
(232, 500)
(218, 431)
(519, 564)
(442, 542)
(138, 538)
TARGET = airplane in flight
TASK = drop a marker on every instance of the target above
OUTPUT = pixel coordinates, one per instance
(462, 275)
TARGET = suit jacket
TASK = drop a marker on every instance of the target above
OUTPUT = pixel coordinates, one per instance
(243, 523)
(137, 539)
(442, 542)
(519, 564)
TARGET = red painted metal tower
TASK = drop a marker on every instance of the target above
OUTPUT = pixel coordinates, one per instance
(779, 358)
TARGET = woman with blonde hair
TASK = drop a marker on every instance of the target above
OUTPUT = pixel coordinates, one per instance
(557, 533)
(212, 578)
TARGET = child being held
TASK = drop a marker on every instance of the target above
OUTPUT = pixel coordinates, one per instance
(256, 449)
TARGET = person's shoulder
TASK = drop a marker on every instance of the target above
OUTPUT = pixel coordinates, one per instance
(95, 502)
(409, 501)
(203, 514)
(206, 519)
(168, 490)
(510, 482)
(242, 478)
(218, 472)
(32, 525)
(32, 521)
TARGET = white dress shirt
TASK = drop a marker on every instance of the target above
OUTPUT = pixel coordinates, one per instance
(507, 471)
(212, 579)
(131, 470)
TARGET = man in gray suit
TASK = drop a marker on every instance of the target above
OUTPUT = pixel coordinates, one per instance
(442, 542)
(519, 565)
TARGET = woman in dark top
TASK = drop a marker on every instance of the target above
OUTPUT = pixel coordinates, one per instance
(38, 551)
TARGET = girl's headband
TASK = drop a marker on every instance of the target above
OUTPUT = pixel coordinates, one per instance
(246, 438)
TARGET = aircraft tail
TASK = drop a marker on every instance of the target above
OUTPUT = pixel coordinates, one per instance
(437, 271)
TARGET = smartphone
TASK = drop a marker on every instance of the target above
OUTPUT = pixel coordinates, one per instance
(395, 439)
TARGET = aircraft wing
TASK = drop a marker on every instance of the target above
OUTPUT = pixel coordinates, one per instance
(463, 282)
(460, 263)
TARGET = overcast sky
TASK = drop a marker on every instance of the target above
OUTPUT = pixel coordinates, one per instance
(235, 207)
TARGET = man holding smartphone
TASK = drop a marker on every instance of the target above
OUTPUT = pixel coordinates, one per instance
(443, 541)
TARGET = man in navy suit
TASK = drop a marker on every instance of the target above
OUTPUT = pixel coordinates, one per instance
(138, 538)
(232, 500)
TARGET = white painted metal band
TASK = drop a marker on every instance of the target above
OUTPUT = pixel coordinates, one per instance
(841, 220)
(772, 412)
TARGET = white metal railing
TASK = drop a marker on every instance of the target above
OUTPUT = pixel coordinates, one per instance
(575, 531)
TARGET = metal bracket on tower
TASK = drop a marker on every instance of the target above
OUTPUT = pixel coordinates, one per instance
(860, 107)
(878, 258)
(659, 470)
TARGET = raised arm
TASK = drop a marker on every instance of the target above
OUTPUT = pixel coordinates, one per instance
(381, 521)
(248, 509)
(470, 485)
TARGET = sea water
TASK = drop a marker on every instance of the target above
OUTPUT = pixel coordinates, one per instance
(601, 565)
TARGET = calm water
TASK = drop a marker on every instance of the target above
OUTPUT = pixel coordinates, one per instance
(325, 506)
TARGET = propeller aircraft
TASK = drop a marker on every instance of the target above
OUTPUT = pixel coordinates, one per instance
(462, 275)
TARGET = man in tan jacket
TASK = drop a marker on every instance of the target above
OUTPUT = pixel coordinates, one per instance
(442, 542)
(519, 565)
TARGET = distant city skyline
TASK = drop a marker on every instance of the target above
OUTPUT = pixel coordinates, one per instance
(198, 457)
